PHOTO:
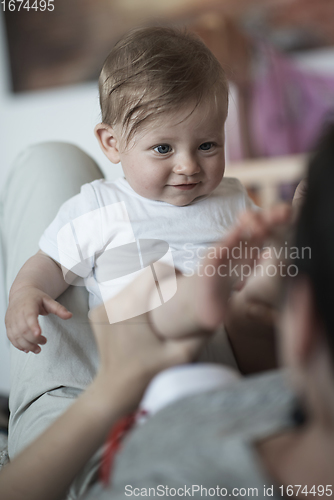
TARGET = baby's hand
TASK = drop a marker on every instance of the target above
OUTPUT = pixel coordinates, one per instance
(21, 321)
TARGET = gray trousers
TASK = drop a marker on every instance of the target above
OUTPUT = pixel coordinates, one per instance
(44, 385)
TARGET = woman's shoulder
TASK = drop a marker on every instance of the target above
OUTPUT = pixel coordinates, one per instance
(202, 439)
(253, 402)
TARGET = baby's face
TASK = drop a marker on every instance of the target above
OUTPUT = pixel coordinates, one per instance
(179, 157)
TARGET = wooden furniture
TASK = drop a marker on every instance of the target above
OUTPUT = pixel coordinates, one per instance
(267, 174)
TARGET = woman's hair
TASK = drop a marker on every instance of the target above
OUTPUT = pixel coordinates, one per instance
(155, 70)
(315, 230)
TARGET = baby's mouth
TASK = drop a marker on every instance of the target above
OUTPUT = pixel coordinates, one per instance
(185, 187)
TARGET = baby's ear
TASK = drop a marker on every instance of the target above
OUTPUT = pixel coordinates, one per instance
(108, 141)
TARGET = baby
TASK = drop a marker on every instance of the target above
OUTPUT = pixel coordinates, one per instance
(164, 100)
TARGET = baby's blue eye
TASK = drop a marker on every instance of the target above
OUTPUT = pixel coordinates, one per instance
(206, 146)
(163, 149)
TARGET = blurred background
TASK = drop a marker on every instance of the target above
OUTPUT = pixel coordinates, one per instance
(278, 56)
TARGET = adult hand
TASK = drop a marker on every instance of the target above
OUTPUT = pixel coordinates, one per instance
(201, 303)
(245, 297)
(233, 270)
(300, 193)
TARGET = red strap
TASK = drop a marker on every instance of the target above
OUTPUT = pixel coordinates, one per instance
(114, 444)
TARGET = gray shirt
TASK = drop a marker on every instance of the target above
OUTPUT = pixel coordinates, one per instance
(203, 446)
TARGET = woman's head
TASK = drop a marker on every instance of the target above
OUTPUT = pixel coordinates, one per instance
(307, 328)
(315, 230)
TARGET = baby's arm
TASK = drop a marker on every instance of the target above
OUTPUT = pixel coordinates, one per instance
(37, 284)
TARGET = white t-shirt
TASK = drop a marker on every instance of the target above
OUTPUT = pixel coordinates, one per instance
(108, 233)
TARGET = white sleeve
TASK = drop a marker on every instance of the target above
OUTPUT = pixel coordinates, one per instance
(74, 236)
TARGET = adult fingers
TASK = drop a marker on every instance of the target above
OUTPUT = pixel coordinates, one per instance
(260, 312)
(300, 192)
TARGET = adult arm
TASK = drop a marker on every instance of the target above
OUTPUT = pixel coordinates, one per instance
(202, 303)
(252, 312)
(130, 354)
(251, 317)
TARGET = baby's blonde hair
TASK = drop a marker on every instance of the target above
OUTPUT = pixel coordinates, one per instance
(155, 70)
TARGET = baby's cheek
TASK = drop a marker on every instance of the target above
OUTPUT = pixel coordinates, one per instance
(155, 184)
(147, 188)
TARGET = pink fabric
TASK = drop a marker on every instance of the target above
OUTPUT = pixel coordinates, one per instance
(289, 106)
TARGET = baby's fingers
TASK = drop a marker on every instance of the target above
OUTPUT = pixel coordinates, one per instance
(24, 345)
(33, 334)
(32, 323)
(53, 307)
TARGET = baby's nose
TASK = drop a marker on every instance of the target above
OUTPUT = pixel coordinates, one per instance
(187, 166)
